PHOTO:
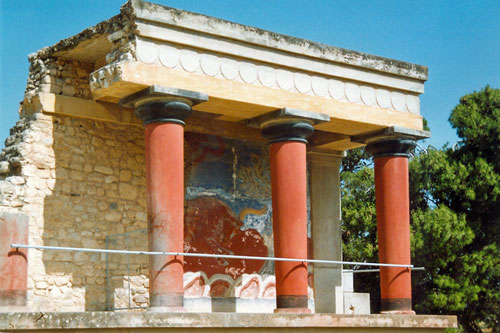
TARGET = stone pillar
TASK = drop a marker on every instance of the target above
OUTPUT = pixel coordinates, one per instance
(163, 111)
(326, 230)
(393, 220)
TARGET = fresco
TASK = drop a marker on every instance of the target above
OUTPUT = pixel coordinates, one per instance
(228, 206)
(212, 227)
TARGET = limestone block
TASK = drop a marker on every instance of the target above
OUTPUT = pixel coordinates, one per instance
(4, 167)
(42, 292)
(55, 293)
(125, 175)
(103, 169)
(61, 280)
(16, 180)
(41, 285)
(51, 88)
(113, 216)
(95, 177)
(68, 90)
(76, 166)
(79, 257)
(356, 303)
(127, 191)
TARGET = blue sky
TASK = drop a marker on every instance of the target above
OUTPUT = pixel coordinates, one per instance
(458, 40)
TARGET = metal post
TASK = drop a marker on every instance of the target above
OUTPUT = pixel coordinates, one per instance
(108, 287)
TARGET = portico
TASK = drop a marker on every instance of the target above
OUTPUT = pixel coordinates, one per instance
(249, 75)
(184, 79)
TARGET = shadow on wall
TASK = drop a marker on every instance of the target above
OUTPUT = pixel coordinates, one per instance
(99, 190)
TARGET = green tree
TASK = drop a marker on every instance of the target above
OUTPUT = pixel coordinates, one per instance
(455, 217)
(359, 223)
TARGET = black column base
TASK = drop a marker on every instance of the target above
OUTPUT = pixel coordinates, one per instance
(399, 305)
(291, 301)
(169, 300)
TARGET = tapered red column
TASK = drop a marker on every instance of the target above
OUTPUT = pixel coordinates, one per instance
(289, 197)
(163, 111)
(165, 200)
(393, 221)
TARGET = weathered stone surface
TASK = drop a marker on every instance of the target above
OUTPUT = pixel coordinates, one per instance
(271, 322)
(4, 167)
(128, 192)
(103, 169)
(54, 182)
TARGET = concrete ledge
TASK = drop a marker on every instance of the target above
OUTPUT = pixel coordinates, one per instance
(133, 320)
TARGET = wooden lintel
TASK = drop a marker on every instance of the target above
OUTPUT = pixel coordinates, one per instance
(199, 122)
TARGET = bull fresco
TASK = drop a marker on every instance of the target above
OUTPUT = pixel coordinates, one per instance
(228, 201)
(212, 227)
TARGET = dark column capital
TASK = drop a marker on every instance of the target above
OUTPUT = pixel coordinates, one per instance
(162, 104)
(288, 124)
(391, 147)
(391, 141)
(290, 130)
(172, 111)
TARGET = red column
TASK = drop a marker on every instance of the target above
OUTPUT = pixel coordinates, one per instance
(163, 111)
(165, 198)
(289, 196)
(393, 224)
(393, 221)
(13, 262)
(288, 184)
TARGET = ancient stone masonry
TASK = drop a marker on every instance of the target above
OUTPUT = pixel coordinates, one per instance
(75, 182)
(57, 76)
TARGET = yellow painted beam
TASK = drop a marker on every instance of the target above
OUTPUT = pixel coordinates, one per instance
(86, 108)
(199, 122)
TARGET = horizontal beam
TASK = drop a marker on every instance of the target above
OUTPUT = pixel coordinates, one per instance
(246, 101)
(199, 122)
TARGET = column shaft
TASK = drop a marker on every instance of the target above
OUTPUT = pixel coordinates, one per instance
(289, 193)
(165, 199)
(393, 223)
(163, 111)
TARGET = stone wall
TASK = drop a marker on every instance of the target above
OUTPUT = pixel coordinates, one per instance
(78, 181)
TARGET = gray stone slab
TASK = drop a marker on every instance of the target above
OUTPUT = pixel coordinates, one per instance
(161, 91)
(289, 113)
(203, 24)
(392, 132)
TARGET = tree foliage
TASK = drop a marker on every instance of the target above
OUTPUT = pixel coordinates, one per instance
(455, 217)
